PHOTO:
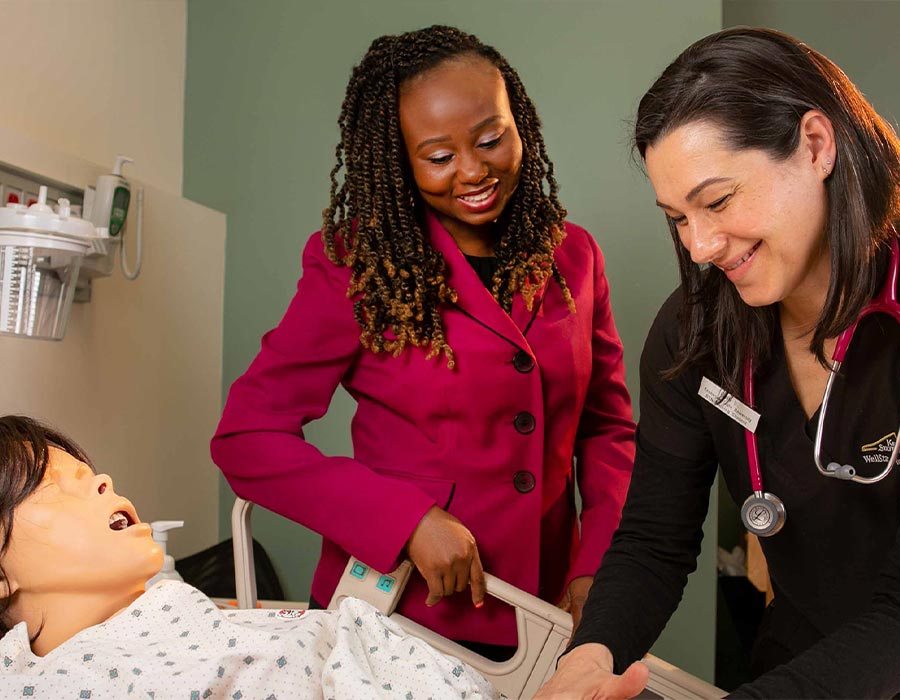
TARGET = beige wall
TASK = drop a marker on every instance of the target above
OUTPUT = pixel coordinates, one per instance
(137, 379)
(93, 78)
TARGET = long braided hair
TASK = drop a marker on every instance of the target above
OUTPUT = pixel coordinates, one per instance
(375, 222)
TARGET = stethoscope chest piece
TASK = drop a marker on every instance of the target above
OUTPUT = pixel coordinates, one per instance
(763, 514)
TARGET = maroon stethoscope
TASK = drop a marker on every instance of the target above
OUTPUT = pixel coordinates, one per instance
(763, 513)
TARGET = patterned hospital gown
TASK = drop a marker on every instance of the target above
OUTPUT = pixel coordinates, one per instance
(173, 642)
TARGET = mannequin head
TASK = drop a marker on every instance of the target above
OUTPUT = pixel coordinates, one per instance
(69, 542)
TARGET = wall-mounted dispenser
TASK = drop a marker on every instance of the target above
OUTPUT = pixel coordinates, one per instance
(112, 195)
(106, 206)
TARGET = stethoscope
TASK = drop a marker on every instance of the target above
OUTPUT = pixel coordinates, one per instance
(763, 513)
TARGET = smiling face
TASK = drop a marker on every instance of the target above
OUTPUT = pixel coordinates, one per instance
(463, 146)
(760, 220)
(75, 534)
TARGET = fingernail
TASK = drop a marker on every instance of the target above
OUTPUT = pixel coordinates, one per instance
(479, 605)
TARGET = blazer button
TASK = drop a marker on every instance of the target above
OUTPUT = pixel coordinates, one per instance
(524, 422)
(522, 362)
(524, 482)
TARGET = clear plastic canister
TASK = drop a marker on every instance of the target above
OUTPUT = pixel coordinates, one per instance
(38, 273)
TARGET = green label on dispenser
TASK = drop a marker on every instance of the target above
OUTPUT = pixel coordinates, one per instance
(121, 198)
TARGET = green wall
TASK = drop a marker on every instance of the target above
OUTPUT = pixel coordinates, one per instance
(859, 35)
(264, 85)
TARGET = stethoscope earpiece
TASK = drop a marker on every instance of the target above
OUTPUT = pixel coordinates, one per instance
(841, 471)
(763, 514)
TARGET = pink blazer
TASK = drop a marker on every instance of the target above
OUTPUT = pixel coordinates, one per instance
(492, 441)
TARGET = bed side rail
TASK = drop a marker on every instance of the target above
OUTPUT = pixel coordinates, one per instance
(543, 629)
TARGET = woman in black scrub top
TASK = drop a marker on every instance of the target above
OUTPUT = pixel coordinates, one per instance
(779, 183)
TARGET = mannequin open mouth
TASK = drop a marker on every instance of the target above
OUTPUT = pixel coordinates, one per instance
(120, 520)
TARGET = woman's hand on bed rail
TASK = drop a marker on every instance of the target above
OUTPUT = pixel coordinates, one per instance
(585, 673)
(445, 553)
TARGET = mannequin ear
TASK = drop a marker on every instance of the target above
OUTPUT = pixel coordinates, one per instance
(8, 587)
(9, 583)
(817, 143)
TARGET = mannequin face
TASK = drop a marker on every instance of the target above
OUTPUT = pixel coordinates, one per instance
(74, 534)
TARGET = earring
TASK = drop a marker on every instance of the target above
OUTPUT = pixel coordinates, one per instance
(827, 166)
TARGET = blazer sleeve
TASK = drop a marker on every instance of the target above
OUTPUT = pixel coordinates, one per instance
(604, 445)
(259, 444)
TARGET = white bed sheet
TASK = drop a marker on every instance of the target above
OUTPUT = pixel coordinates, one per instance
(173, 642)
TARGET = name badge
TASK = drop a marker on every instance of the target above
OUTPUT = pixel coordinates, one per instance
(732, 407)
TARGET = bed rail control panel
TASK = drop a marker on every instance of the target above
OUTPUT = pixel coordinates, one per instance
(543, 629)
(382, 591)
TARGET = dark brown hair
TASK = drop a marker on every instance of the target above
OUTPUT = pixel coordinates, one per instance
(756, 85)
(24, 453)
(375, 222)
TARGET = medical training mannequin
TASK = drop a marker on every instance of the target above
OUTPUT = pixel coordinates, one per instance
(472, 325)
(74, 552)
(781, 188)
(76, 621)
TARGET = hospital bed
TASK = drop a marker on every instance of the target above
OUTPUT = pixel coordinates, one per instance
(543, 629)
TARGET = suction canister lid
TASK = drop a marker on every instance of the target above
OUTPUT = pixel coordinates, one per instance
(39, 225)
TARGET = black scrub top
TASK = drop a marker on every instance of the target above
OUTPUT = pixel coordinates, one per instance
(835, 565)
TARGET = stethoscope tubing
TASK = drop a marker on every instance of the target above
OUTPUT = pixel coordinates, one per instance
(885, 302)
(749, 435)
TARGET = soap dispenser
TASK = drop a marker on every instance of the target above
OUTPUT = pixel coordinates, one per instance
(110, 205)
(161, 536)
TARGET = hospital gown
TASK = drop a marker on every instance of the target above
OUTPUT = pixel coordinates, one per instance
(173, 642)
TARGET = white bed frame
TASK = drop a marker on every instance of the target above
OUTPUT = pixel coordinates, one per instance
(543, 629)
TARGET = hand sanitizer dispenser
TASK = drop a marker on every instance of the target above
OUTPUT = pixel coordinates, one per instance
(106, 206)
(110, 205)
(161, 536)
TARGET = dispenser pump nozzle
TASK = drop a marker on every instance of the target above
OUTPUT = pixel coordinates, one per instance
(160, 536)
(161, 530)
(120, 161)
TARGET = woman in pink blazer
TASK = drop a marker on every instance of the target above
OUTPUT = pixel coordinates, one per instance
(471, 324)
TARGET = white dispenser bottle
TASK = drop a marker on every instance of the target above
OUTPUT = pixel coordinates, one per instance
(110, 205)
(161, 536)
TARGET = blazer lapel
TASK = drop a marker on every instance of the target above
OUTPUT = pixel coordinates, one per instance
(473, 298)
(524, 317)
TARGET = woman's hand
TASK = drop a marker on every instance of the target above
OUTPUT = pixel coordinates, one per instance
(445, 553)
(585, 673)
(574, 598)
